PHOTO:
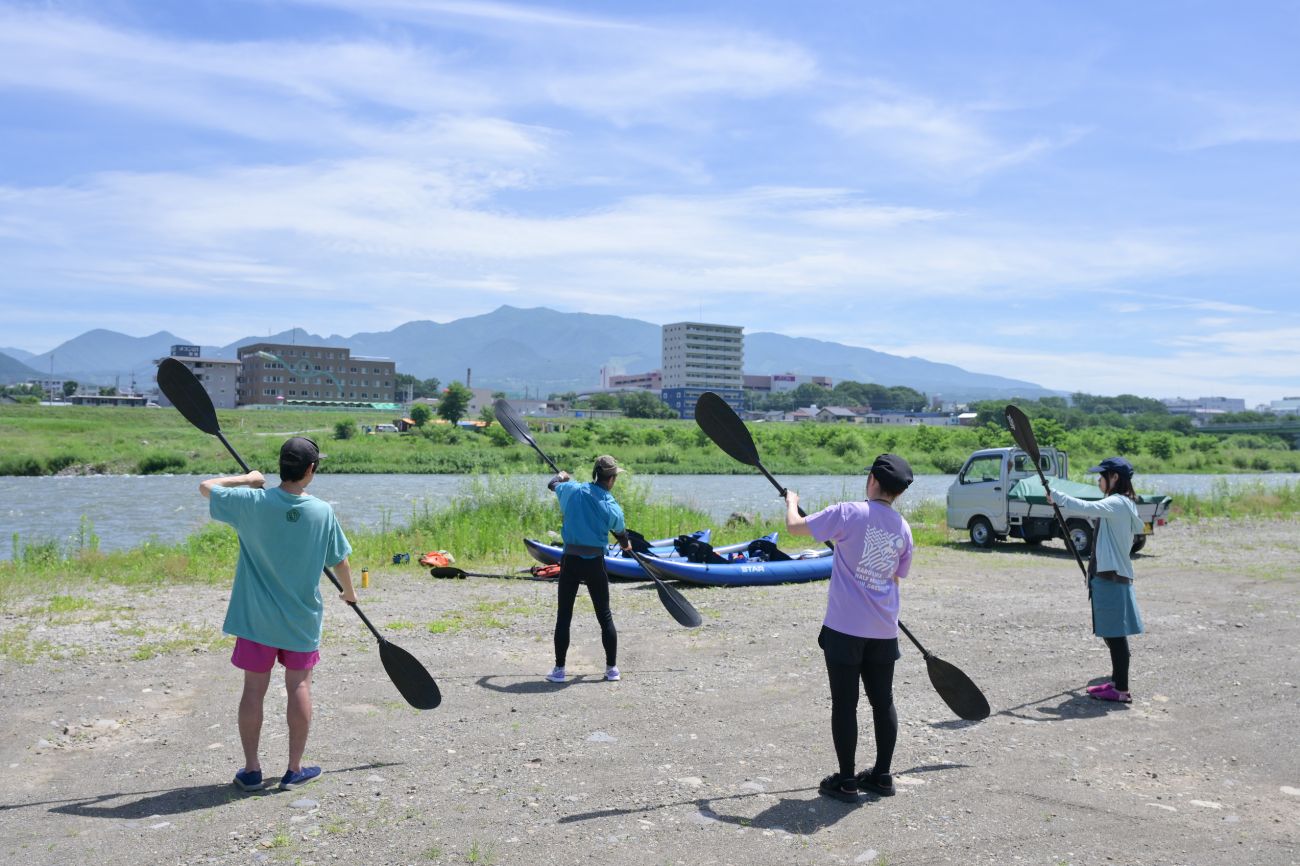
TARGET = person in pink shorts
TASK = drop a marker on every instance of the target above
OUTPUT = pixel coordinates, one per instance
(286, 538)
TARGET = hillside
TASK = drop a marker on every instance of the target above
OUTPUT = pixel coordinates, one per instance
(543, 351)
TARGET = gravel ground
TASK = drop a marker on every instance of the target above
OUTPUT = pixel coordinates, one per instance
(117, 725)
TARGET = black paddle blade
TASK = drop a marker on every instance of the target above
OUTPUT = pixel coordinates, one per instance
(721, 424)
(513, 424)
(445, 571)
(410, 677)
(961, 695)
(673, 601)
(1022, 431)
(186, 393)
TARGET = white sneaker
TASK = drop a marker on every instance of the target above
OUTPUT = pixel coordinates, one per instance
(612, 674)
(556, 675)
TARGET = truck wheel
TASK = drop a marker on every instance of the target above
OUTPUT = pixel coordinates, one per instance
(981, 532)
(1139, 542)
(1080, 535)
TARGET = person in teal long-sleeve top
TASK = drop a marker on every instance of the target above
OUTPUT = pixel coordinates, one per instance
(1110, 569)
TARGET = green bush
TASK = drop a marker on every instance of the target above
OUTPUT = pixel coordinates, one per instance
(345, 429)
(157, 463)
(21, 465)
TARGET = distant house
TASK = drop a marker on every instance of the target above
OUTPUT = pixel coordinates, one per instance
(837, 413)
(916, 419)
(108, 400)
(968, 419)
(808, 413)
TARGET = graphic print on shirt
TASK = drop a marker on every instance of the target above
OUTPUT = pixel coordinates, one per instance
(879, 559)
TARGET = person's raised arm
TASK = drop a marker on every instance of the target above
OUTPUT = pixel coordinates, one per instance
(795, 523)
(248, 479)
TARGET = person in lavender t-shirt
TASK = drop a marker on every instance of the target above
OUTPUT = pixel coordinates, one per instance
(859, 637)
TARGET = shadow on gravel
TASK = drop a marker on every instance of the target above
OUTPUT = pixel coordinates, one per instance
(172, 801)
(793, 816)
(536, 686)
(1075, 706)
(802, 817)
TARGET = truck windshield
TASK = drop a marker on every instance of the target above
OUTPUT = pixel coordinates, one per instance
(982, 469)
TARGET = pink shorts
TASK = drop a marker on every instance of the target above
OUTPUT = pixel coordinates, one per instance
(249, 655)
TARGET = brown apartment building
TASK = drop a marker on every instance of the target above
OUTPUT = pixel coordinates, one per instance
(277, 373)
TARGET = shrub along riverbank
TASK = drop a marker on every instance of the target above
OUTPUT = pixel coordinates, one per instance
(41, 440)
(484, 529)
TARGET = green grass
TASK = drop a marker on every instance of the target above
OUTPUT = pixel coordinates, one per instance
(43, 440)
(483, 527)
(1238, 501)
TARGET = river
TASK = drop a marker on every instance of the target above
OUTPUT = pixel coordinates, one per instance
(125, 510)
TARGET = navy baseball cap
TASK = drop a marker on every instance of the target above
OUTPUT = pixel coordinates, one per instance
(1114, 464)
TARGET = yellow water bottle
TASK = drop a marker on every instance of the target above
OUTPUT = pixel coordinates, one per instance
(365, 578)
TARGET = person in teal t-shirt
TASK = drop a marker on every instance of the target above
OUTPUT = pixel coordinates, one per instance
(590, 513)
(286, 538)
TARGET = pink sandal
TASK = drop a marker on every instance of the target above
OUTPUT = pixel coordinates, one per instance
(1100, 687)
(1110, 693)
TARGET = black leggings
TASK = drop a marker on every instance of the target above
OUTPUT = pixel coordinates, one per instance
(1119, 658)
(573, 571)
(878, 682)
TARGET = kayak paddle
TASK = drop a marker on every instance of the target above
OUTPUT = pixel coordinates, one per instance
(186, 393)
(1023, 432)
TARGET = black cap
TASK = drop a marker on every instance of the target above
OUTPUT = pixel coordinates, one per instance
(299, 451)
(1114, 464)
(893, 473)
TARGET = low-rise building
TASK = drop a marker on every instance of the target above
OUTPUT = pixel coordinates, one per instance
(274, 373)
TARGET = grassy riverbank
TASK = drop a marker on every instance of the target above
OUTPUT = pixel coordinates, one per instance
(39, 440)
(484, 529)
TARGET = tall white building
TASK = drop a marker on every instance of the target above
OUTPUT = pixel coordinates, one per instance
(699, 357)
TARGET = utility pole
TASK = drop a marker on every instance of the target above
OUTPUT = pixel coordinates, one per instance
(469, 371)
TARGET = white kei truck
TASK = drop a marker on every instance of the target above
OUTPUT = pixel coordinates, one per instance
(997, 495)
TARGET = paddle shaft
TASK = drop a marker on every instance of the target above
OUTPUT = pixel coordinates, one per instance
(329, 572)
(1023, 432)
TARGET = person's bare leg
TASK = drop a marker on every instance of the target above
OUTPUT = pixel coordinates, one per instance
(298, 684)
(250, 716)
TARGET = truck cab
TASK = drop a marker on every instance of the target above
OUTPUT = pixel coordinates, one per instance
(978, 498)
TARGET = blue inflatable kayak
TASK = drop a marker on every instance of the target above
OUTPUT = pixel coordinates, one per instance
(751, 572)
(626, 568)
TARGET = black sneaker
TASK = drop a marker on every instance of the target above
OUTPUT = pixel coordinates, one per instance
(877, 783)
(841, 787)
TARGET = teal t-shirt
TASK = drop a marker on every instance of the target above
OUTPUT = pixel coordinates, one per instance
(285, 542)
(590, 511)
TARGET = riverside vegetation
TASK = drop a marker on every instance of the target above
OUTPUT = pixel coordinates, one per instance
(483, 528)
(37, 440)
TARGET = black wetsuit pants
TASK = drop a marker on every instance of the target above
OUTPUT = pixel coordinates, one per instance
(1119, 659)
(573, 571)
(874, 666)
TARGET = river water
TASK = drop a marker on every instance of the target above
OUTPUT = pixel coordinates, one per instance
(126, 510)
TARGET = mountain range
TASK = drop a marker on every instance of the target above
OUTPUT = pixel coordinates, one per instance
(538, 350)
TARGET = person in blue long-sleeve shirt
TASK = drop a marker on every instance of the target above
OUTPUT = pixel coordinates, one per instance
(590, 513)
(1115, 613)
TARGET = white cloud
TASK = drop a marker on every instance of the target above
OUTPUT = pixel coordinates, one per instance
(933, 137)
(269, 90)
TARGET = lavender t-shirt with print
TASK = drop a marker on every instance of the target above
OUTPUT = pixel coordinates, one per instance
(872, 544)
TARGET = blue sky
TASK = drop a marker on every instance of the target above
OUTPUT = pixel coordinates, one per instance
(1097, 197)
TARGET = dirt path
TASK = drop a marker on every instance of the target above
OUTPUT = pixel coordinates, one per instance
(710, 749)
